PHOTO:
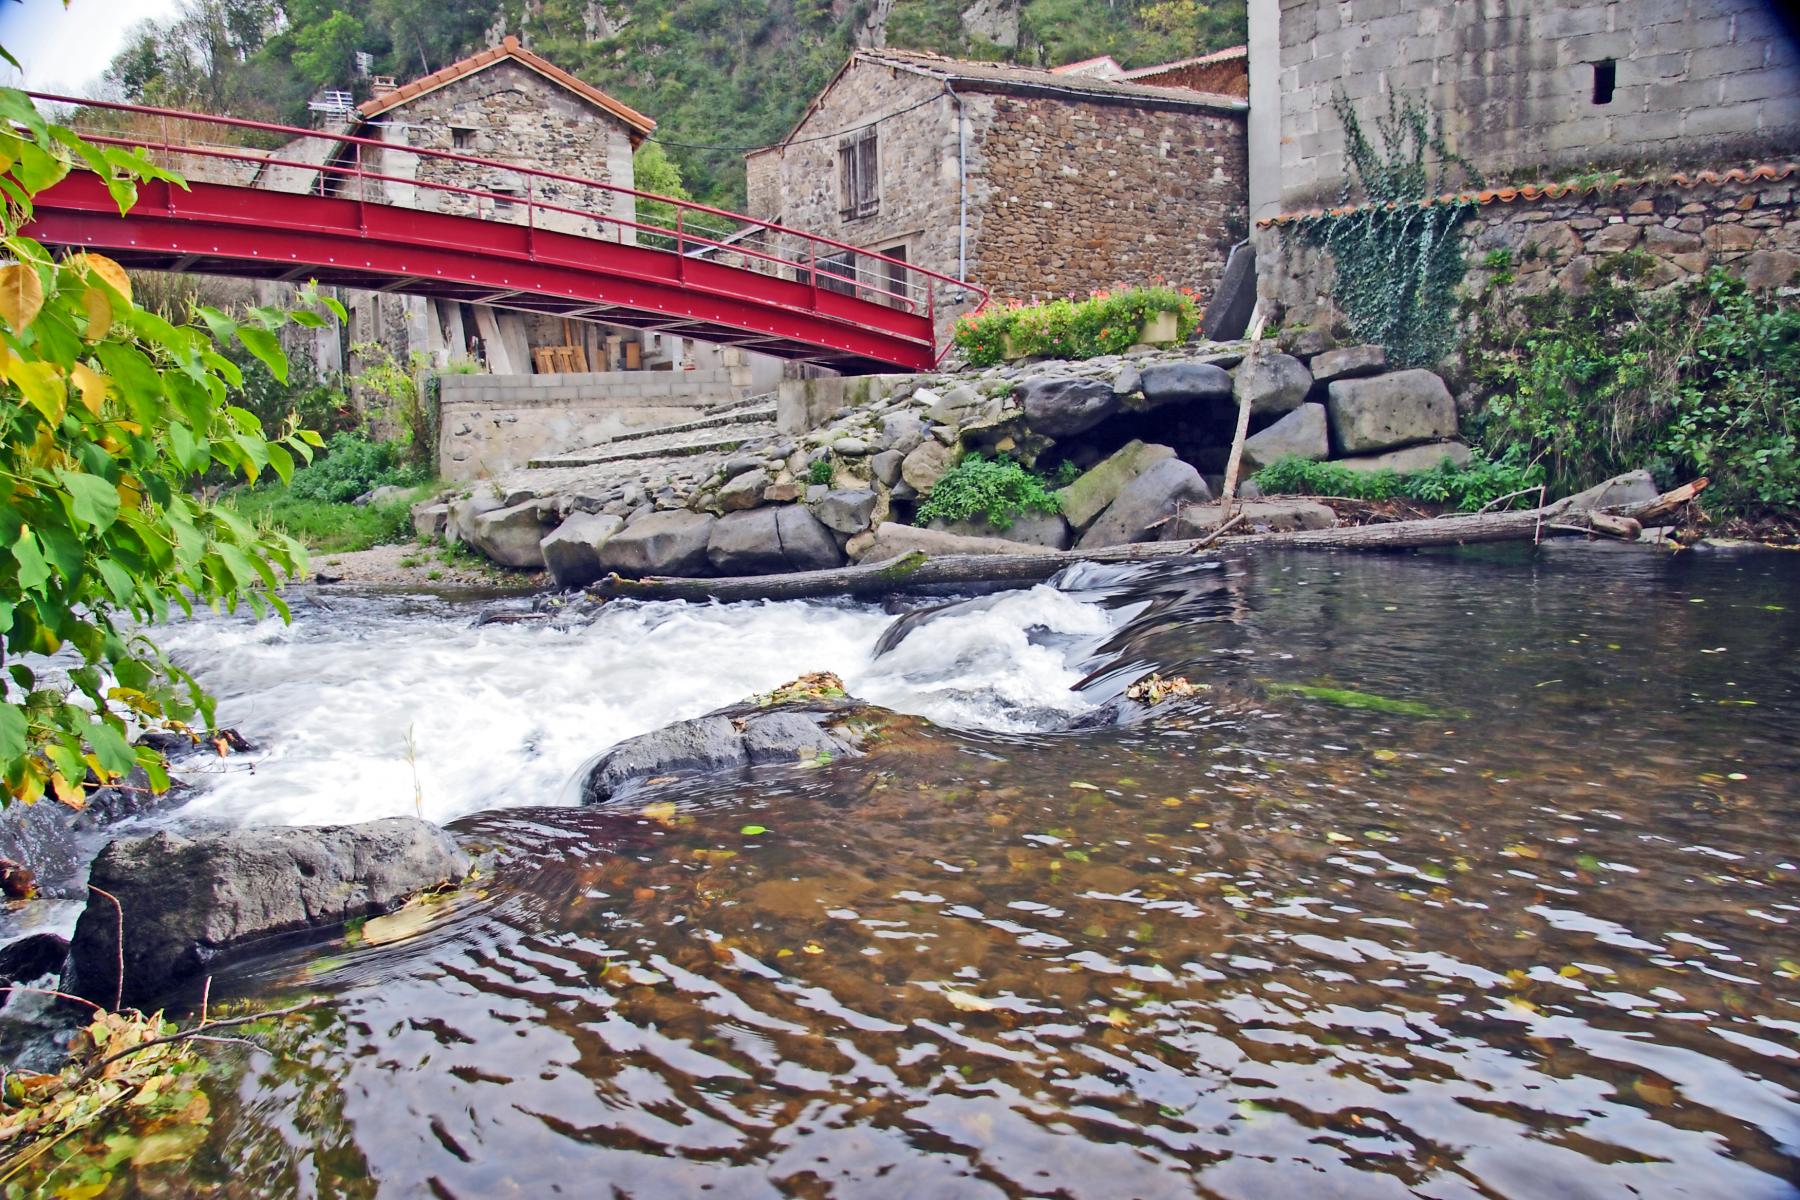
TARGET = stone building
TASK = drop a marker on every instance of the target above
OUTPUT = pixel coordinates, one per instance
(1029, 182)
(1595, 125)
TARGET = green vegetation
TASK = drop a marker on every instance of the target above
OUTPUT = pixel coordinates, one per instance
(1104, 323)
(1698, 379)
(819, 472)
(1368, 701)
(1468, 488)
(110, 412)
(352, 465)
(994, 489)
(717, 75)
(322, 526)
(1398, 253)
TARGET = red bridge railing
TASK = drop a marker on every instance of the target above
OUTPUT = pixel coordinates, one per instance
(347, 166)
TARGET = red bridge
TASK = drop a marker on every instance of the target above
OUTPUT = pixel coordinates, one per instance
(317, 208)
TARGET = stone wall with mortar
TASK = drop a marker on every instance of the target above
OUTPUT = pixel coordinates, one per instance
(1695, 80)
(492, 424)
(1747, 222)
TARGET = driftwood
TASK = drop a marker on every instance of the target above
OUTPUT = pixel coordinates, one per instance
(917, 569)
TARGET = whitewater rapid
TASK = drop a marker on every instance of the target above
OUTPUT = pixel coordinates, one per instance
(375, 706)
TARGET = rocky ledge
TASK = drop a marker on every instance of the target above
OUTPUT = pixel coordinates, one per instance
(1144, 436)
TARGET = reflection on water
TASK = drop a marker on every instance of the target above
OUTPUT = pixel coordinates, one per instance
(1541, 944)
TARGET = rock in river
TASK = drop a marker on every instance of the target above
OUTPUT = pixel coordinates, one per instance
(189, 902)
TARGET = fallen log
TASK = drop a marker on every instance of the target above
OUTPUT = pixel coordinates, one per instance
(917, 569)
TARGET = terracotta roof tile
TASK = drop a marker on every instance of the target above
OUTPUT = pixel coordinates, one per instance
(640, 125)
(1761, 173)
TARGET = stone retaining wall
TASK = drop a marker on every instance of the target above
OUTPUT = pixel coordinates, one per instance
(1746, 221)
(491, 424)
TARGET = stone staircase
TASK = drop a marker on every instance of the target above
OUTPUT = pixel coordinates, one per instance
(720, 427)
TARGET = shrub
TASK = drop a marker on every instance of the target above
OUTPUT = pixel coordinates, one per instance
(352, 465)
(819, 472)
(1700, 379)
(996, 489)
(1466, 487)
(1104, 323)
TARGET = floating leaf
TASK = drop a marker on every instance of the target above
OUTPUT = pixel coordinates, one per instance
(753, 830)
(1084, 787)
(663, 811)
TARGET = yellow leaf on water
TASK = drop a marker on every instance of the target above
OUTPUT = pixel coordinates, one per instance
(813, 948)
(1086, 787)
(21, 295)
(663, 811)
(1338, 837)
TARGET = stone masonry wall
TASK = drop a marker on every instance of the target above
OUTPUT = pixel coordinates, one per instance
(1707, 80)
(1747, 222)
(1083, 196)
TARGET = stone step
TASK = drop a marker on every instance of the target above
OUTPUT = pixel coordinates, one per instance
(733, 416)
(665, 443)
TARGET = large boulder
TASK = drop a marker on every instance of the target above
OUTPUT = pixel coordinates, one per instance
(509, 536)
(929, 462)
(430, 520)
(1088, 496)
(1300, 434)
(889, 540)
(805, 541)
(1412, 458)
(746, 543)
(572, 549)
(846, 510)
(1273, 383)
(1633, 487)
(701, 746)
(1064, 407)
(1031, 528)
(1383, 411)
(961, 405)
(901, 432)
(1184, 383)
(1145, 503)
(1350, 362)
(459, 521)
(1260, 516)
(186, 903)
(886, 467)
(744, 491)
(660, 543)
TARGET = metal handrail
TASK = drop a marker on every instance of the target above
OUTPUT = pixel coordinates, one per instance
(682, 233)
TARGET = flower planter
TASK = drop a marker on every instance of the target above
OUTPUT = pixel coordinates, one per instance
(1009, 350)
(1159, 330)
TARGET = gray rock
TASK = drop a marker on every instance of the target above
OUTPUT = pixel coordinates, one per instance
(1063, 407)
(928, 463)
(1306, 341)
(744, 491)
(430, 520)
(1144, 503)
(1031, 528)
(509, 536)
(1274, 383)
(1412, 458)
(1350, 362)
(1088, 496)
(189, 902)
(700, 746)
(387, 493)
(746, 543)
(464, 511)
(889, 540)
(853, 447)
(790, 737)
(1127, 381)
(737, 466)
(1384, 411)
(572, 550)
(662, 543)
(1265, 516)
(1634, 487)
(960, 405)
(1185, 383)
(806, 543)
(1300, 434)
(846, 510)
(901, 431)
(886, 466)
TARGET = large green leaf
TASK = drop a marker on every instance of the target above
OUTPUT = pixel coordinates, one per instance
(96, 500)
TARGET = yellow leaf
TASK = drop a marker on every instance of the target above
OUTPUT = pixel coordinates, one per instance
(91, 384)
(967, 1001)
(21, 295)
(110, 272)
(1086, 787)
(70, 794)
(813, 948)
(99, 313)
(398, 926)
(663, 811)
(42, 385)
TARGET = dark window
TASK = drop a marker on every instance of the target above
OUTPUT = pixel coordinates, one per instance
(838, 273)
(858, 192)
(896, 278)
(505, 198)
(1606, 74)
(461, 138)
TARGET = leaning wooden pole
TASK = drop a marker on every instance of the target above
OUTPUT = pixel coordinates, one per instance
(918, 569)
(1228, 493)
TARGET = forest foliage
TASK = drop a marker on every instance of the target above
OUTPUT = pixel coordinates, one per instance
(719, 76)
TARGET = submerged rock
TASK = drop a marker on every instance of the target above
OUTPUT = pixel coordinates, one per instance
(186, 903)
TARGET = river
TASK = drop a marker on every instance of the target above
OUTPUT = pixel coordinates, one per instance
(1466, 875)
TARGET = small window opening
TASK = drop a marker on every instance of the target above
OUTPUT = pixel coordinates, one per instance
(462, 138)
(505, 198)
(1606, 73)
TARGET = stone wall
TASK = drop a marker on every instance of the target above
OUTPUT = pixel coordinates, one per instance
(1746, 221)
(1083, 196)
(1515, 81)
(491, 424)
